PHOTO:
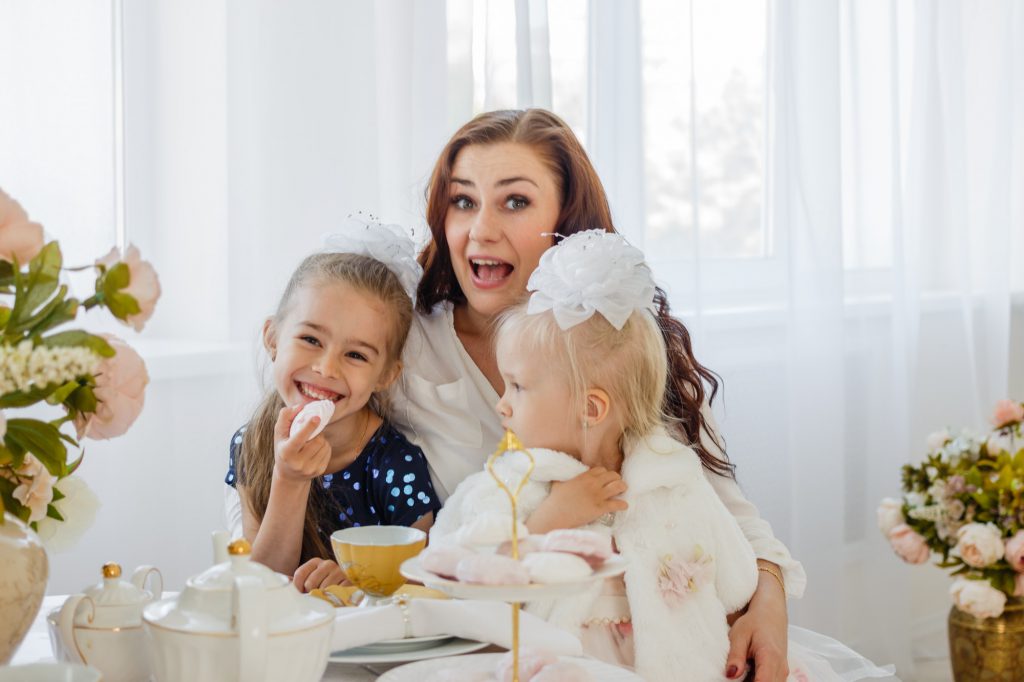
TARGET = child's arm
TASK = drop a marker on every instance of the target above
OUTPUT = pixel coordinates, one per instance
(579, 501)
(318, 574)
(277, 537)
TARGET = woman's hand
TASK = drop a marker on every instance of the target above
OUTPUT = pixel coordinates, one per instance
(579, 501)
(295, 459)
(760, 634)
(318, 574)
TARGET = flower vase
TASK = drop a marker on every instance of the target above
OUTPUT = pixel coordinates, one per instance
(23, 573)
(989, 649)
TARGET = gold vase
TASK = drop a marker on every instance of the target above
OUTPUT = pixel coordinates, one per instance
(988, 649)
(23, 573)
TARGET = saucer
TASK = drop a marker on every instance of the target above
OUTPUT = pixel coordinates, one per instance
(444, 646)
(483, 663)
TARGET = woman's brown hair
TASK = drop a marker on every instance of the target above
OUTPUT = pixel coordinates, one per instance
(584, 206)
(256, 455)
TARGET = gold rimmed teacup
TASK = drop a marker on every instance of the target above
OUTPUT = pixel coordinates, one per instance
(372, 555)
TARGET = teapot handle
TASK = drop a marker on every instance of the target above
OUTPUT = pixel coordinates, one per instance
(142, 573)
(66, 627)
(250, 615)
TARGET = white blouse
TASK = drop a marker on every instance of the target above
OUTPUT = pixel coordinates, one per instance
(443, 403)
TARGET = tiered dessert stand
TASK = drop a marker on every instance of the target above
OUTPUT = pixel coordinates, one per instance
(515, 595)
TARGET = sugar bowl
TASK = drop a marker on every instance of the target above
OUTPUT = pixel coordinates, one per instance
(102, 626)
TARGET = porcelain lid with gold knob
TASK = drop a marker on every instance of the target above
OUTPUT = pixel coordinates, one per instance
(112, 590)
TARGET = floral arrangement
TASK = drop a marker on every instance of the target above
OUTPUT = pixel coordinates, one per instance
(96, 380)
(965, 503)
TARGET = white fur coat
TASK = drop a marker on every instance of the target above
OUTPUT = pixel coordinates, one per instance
(675, 523)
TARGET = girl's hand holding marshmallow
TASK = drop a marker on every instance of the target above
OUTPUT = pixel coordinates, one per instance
(295, 459)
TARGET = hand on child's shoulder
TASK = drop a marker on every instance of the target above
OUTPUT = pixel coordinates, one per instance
(579, 501)
(295, 458)
(316, 574)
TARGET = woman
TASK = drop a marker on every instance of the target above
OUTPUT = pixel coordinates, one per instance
(504, 185)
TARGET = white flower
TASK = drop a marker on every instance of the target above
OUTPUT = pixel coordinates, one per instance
(955, 509)
(977, 598)
(591, 272)
(23, 367)
(890, 515)
(78, 509)
(914, 499)
(937, 439)
(35, 490)
(999, 442)
(390, 244)
(3, 424)
(980, 545)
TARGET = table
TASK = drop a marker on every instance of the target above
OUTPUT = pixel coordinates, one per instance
(36, 648)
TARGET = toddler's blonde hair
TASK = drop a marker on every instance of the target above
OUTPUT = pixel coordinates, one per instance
(629, 363)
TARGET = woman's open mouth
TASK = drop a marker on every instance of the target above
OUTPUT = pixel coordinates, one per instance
(317, 392)
(489, 272)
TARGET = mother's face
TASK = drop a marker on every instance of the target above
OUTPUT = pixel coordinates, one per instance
(503, 206)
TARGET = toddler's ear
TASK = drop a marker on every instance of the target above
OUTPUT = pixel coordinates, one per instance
(598, 404)
(270, 338)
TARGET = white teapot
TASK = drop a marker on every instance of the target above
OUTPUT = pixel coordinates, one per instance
(239, 620)
(102, 627)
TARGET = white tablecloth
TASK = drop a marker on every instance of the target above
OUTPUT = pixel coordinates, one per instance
(36, 647)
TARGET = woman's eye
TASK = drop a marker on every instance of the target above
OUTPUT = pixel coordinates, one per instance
(311, 340)
(516, 203)
(462, 202)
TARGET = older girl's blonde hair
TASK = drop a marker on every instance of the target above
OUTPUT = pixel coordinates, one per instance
(629, 364)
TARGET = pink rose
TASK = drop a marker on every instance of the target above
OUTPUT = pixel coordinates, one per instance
(1015, 551)
(143, 284)
(36, 488)
(980, 544)
(120, 386)
(19, 237)
(1007, 412)
(909, 544)
(890, 515)
(977, 598)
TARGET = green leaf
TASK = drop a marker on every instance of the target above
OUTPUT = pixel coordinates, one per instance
(26, 398)
(83, 400)
(77, 337)
(114, 279)
(52, 512)
(42, 440)
(122, 305)
(43, 277)
(6, 273)
(5, 313)
(28, 319)
(62, 392)
(58, 495)
(65, 312)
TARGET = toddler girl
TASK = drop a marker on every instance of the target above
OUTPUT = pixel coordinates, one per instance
(585, 372)
(337, 335)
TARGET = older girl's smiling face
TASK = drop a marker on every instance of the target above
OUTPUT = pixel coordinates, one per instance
(503, 206)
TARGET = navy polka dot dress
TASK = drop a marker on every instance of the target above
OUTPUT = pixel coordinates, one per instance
(387, 484)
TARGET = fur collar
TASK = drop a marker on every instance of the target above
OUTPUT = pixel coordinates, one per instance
(658, 461)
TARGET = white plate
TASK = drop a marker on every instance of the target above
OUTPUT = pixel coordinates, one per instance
(452, 647)
(412, 570)
(417, 672)
(389, 646)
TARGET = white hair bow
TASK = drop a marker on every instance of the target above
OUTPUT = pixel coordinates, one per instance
(591, 272)
(390, 244)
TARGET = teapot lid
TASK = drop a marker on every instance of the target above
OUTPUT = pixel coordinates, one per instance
(113, 591)
(222, 576)
(208, 603)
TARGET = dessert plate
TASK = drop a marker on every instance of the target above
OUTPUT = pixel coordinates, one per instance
(412, 570)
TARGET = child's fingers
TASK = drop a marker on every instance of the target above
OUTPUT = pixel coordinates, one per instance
(284, 421)
(303, 572)
(306, 430)
(326, 574)
(613, 505)
(615, 487)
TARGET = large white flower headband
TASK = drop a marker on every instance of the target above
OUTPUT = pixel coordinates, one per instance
(390, 244)
(591, 272)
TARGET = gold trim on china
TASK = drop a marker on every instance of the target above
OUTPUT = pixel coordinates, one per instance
(112, 570)
(232, 634)
(239, 547)
(117, 629)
